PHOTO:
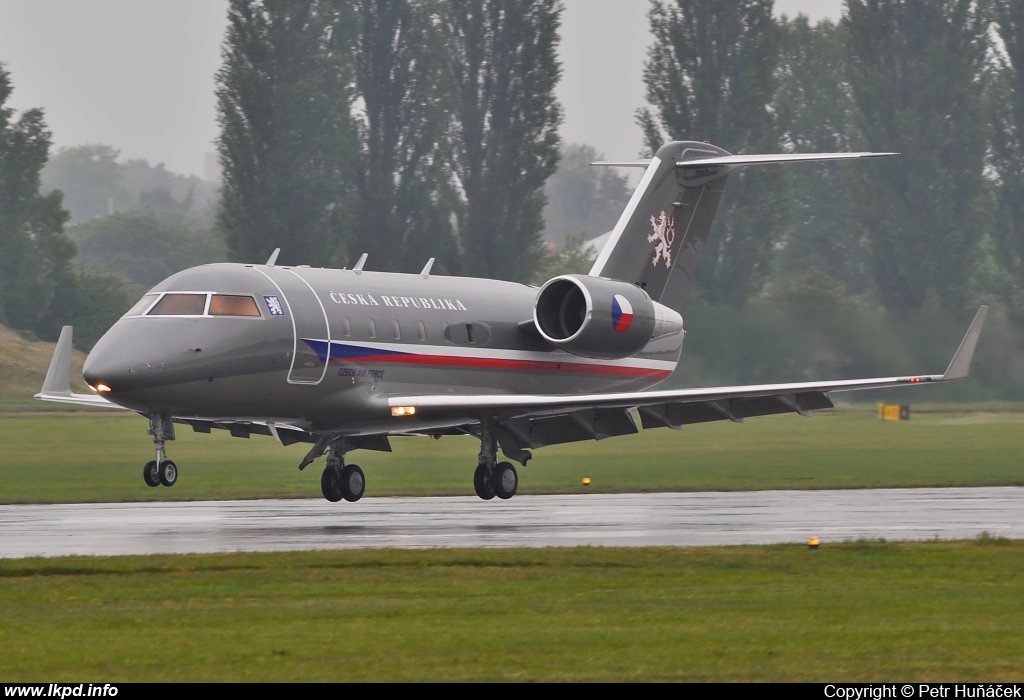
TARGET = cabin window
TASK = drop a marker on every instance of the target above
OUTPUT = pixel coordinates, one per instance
(397, 329)
(422, 330)
(142, 304)
(179, 305)
(228, 305)
(346, 327)
(446, 331)
(373, 328)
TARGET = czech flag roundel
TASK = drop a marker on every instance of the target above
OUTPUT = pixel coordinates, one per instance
(622, 313)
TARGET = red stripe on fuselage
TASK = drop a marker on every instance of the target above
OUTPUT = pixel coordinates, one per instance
(498, 363)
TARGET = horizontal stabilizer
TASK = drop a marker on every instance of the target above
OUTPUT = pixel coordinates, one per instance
(624, 163)
(758, 159)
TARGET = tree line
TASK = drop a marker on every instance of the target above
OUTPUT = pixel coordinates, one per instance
(406, 129)
(890, 255)
(410, 129)
(938, 81)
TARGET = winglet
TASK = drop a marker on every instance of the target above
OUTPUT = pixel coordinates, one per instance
(960, 365)
(58, 377)
(272, 260)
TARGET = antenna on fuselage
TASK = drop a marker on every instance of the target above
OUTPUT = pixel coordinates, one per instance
(425, 272)
(359, 265)
(273, 257)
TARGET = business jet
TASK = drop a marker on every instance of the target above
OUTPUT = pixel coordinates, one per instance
(348, 359)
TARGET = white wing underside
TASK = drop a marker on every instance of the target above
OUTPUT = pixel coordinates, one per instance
(520, 405)
(522, 421)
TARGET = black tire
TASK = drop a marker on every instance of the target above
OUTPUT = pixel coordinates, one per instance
(168, 473)
(151, 474)
(352, 483)
(505, 480)
(482, 484)
(329, 486)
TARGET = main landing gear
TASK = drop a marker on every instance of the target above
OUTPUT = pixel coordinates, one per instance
(493, 478)
(161, 470)
(340, 480)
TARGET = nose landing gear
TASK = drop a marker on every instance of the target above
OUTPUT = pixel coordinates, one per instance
(161, 470)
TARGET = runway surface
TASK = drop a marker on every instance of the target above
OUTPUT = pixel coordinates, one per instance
(632, 520)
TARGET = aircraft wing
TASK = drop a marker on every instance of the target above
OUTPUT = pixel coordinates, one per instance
(531, 421)
(57, 385)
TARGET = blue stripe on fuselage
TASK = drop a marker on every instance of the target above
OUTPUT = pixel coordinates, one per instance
(342, 351)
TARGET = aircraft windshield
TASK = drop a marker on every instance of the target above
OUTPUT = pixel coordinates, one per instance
(180, 305)
(196, 304)
(141, 305)
(226, 305)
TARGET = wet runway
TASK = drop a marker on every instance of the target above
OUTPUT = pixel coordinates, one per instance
(631, 520)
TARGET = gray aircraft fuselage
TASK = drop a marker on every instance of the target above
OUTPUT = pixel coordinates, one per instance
(329, 346)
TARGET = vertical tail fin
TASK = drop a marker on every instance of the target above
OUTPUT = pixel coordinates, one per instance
(660, 236)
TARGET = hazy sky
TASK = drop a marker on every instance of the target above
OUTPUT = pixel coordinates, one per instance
(139, 74)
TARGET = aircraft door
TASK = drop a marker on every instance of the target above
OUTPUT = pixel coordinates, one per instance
(309, 322)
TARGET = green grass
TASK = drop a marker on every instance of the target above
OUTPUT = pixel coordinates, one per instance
(854, 612)
(86, 457)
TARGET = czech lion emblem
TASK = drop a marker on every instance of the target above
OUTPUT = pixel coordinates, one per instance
(664, 236)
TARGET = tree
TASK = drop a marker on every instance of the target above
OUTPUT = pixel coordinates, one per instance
(916, 71)
(182, 199)
(95, 299)
(36, 254)
(1008, 142)
(813, 104)
(90, 178)
(141, 247)
(504, 67)
(583, 200)
(284, 99)
(710, 75)
(402, 173)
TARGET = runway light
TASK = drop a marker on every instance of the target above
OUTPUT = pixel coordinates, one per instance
(813, 543)
(397, 411)
(586, 481)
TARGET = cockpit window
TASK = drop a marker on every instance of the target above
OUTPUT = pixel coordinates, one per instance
(141, 306)
(227, 305)
(179, 305)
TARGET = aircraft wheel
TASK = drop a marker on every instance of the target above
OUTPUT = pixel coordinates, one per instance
(482, 485)
(329, 485)
(352, 483)
(151, 474)
(504, 480)
(168, 473)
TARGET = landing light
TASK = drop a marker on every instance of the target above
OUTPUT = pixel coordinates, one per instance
(397, 411)
(100, 388)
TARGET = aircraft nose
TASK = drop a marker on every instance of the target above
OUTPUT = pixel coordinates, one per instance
(115, 359)
(103, 371)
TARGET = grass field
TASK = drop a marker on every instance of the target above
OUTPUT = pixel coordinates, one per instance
(859, 611)
(80, 457)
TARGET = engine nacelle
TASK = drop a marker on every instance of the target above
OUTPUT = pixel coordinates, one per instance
(596, 317)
